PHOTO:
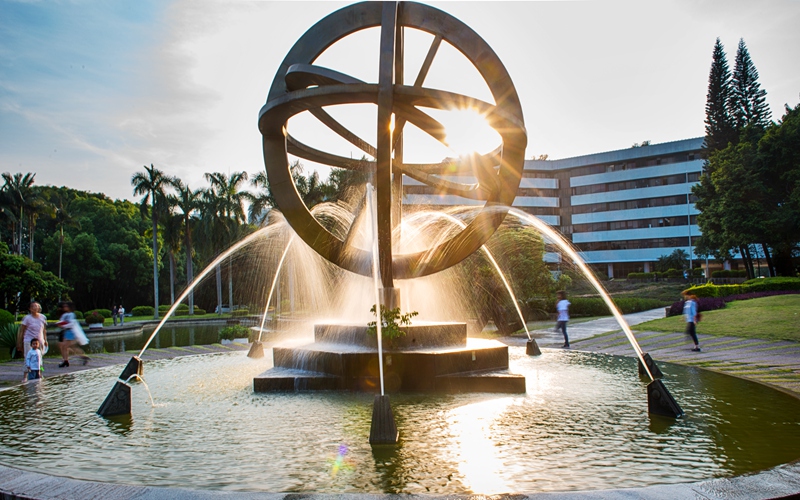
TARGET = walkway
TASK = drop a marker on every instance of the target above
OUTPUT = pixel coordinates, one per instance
(11, 371)
(775, 363)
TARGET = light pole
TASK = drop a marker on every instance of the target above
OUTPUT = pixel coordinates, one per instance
(689, 224)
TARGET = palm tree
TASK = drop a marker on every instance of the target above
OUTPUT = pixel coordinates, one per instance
(262, 201)
(63, 217)
(18, 188)
(188, 202)
(224, 202)
(36, 206)
(151, 184)
(312, 191)
(7, 212)
(171, 224)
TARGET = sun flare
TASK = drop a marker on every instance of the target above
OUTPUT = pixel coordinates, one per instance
(468, 132)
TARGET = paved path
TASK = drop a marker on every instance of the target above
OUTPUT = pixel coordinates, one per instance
(775, 363)
(11, 371)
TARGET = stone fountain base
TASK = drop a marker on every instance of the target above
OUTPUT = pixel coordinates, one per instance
(431, 357)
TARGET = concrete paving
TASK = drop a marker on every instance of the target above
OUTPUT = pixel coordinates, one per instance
(11, 371)
(769, 362)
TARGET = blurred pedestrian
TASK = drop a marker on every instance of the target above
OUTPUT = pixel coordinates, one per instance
(691, 313)
(73, 335)
(121, 312)
(34, 326)
(562, 307)
(114, 313)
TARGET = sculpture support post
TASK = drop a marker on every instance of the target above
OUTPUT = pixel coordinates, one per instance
(383, 167)
(383, 430)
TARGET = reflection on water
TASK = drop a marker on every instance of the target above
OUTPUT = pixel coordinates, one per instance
(169, 336)
(582, 425)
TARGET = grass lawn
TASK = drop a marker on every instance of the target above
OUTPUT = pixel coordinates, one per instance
(771, 318)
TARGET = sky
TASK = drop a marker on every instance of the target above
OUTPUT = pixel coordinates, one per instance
(91, 90)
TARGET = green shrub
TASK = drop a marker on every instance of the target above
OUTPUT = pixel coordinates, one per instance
(779, 283)
(641, 276)
(725, 290)
(6, 317)
(106, 313)
(697, 272)
(628, 305)
(143, 311)
(706, 290)
(729, 273)
(181, 307)
(587, 306)
(185, 312)
(235, 332)
(240, 312)
(78, 314)
(93, 317)
(596, 306)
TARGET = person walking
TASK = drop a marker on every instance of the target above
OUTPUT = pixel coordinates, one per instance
(33, 362)
(72, 334)
(34, 326)
(121, 312)
(114, 313)
(692, 315)
(562, 307)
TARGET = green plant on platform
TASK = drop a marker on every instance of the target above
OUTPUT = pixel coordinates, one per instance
(235, 332)
(391, 319)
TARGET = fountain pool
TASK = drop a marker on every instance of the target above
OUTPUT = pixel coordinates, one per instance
(582, 424)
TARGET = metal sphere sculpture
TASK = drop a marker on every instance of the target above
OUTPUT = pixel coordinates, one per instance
(300, 86)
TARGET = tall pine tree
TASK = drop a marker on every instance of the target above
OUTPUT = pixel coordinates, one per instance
(719, 123)
(748, 104)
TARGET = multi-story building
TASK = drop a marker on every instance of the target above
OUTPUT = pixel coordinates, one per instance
(621, 209)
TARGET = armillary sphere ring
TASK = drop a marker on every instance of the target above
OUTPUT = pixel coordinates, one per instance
(300, 86)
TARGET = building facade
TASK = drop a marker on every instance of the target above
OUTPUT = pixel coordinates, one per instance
(621, 209)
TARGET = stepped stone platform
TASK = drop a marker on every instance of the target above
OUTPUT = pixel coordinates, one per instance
(431, 357)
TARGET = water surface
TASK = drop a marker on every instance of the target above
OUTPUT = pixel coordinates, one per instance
(583, 424)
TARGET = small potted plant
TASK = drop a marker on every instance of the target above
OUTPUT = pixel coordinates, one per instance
(94, 320)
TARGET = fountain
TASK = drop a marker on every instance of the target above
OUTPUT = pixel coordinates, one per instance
(476, 417)
(432, 356)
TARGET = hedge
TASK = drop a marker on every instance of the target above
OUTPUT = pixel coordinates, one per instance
(181, 307)
(6, 317)
(729, 273)
(143, 311)
(106, 313)
(754, 285)
(596, 306)
(240, 312)
(185, 312)
(779, 283)
(671, 273)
